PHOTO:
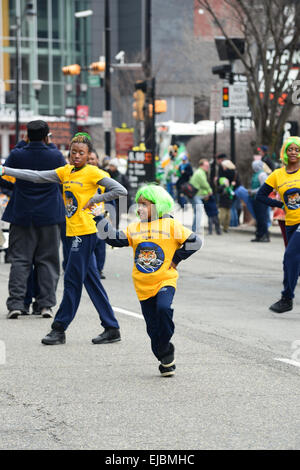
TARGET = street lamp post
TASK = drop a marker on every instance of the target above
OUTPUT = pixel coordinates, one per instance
(80, 86)
(30, 12)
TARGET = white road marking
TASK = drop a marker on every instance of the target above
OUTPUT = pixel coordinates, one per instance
(288, 361)
(127, 312)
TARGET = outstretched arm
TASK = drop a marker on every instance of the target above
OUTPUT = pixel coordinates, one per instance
(113, 190)
(110, 235)
(48, 176)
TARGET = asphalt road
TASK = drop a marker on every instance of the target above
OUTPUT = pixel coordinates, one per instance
(233, 388)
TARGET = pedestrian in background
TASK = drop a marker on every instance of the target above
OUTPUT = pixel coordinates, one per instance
(286, 181)
(159, 244)
(204, 196)
(80, 189)
(185, 171)
(226, 197)
(35, 213)
(261, 210)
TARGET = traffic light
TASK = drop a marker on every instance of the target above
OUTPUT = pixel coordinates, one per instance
(225, 97)
(97, 67)
(160, 106)
(138, 105)
(73, 69)
(139, 100)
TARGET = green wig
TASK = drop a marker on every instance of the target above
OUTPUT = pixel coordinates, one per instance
(290, 140)
(164, 203)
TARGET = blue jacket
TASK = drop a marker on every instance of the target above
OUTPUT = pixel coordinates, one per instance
(32, 203)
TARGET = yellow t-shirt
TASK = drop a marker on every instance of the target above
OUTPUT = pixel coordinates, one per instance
(78, 188)
(154, 244)
(288, 187)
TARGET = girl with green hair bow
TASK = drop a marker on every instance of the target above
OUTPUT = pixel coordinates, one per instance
(286, 182)
(159, 243)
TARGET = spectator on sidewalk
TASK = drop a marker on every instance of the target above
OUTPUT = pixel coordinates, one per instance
(185, 171)
(35, 213)
(204, 196)
(261, 210)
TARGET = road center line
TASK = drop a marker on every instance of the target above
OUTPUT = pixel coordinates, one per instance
(127, 312)
(288, 361)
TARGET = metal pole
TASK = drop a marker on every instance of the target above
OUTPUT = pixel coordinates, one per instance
(107, 83)
(232, 139)
(153, 137)
(150, 140)
(18, 69)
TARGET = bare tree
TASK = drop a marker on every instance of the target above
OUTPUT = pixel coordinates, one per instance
(270, 29)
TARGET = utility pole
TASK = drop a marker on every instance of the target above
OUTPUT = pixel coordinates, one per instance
(107, 81)
(150, 139)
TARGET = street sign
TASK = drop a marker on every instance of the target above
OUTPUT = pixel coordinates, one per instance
(94, 80)
(238, 101)
(141, 168)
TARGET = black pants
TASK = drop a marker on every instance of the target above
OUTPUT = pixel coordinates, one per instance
(262, 218)
(158, 315)
(38, 246)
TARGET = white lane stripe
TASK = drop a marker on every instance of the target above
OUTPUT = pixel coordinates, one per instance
(288, 361)
(127, 312)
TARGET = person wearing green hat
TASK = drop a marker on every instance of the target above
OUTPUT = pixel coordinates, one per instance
(286, 181)
(226, 196)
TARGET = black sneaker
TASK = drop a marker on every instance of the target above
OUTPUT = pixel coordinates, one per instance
(167, 371)
(109, 335)
(13, 314)
(169, 359)
(54, 337)
(283, 305)
(102, 276)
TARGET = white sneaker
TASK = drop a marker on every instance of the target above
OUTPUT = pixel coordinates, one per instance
(13, 314)
(46, 312)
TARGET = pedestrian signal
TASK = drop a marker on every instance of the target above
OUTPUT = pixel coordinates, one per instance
(225, 97)
(138, 105)
(160, 106)
(97, 67)
(73, 69)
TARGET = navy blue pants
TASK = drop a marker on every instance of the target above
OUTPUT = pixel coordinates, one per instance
(100, 253)
(158, 315)
(81, 270)
(291, 261)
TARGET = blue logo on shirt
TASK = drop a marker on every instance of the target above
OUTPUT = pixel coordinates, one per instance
(148, 257)
(292, 198)
(71, 204)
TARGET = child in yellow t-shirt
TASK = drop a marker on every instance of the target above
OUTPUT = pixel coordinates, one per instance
(159, 243)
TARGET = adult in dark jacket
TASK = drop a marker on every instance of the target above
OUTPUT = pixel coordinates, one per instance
(35, 213)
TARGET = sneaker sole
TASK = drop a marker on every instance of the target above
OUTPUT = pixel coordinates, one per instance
(51, 343)
(13, 316)
(46, 315)
(106, 341)
(284, 311)
(167, 374)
